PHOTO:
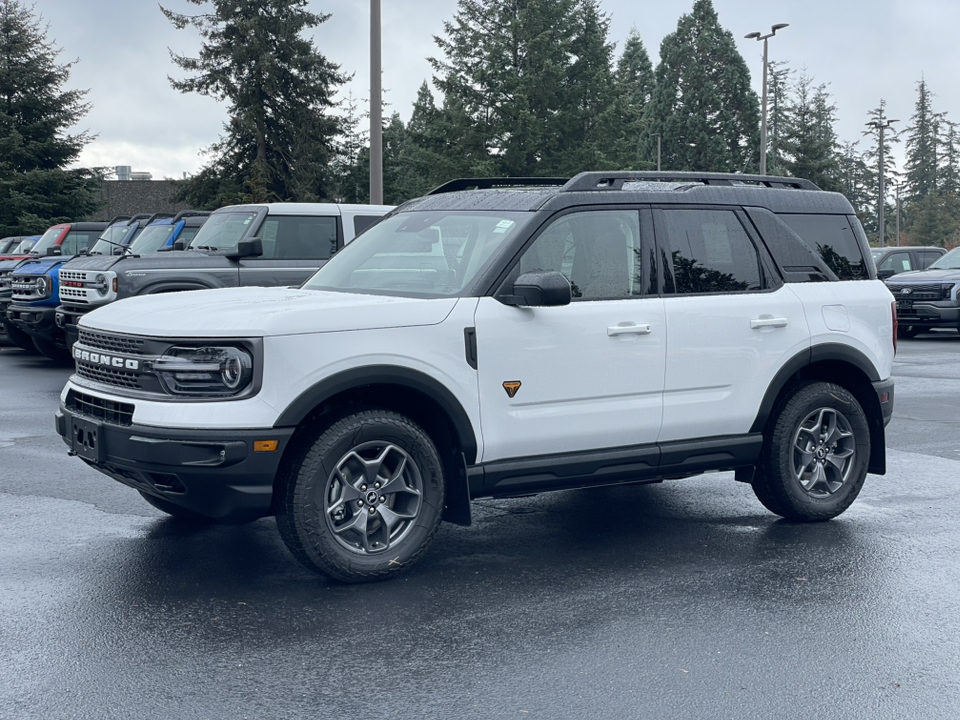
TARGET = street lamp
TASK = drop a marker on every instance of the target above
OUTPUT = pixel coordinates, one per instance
(763, 117)
(376, 110)
(881, 125)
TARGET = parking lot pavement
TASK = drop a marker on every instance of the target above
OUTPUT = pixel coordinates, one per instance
(680, 600)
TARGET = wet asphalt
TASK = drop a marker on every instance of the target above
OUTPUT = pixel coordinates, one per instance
(680, 600)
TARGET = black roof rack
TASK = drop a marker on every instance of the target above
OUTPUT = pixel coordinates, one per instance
(591, 181)
(493, 182)
(189, 213)
(118, 218)
(158, 216)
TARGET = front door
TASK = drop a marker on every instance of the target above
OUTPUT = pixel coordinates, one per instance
(294, 247)
(585, 376)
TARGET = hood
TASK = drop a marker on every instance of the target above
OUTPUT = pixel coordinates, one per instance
(93, 262)
(261, 312)
(41, 266)
(921, 277)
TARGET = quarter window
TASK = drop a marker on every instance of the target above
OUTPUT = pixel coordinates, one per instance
(710, 252)
(599, 252)
(832, 238)
(299, 238)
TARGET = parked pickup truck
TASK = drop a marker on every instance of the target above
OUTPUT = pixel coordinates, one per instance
(264, 245)
(928, 299)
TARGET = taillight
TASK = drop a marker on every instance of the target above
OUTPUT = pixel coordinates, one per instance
(896, 326)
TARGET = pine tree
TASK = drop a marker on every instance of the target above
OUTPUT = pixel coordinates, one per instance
(634, 83)
(810, 142)
(921, 147)
(279, 141)
(857, 182)
(878, 118)
(703, 105)
(948, 171)
(778, 88)
(35, 189)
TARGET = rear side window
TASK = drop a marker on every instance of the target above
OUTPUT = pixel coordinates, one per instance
(710, 252)
(362, 222)
(927, 257)
(299, 238)
(832, 238)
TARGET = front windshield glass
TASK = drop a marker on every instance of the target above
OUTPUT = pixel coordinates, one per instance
(151, 239)
(24, 246)
(48, 239)
(419, 254)
(950, 261)
(114, 234)
(223, 230)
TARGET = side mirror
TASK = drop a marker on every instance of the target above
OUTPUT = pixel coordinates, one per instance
(178, 245)
(118, 251)
(539, 289)
(247, 248)
(884, 274)
(54, 250)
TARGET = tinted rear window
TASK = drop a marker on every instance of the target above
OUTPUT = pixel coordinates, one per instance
(832, 238)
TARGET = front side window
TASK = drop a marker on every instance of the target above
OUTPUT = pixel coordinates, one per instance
(109, 240)
(222, 231)
(710, 252)
(420, 254)
(299, 238)
(832, 238)
(48, 239)
(897, 261)
(598, 251)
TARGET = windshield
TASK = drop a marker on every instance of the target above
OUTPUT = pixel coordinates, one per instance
(151, 239)
(223, 230)
(24, 246)
(114, 234)
(48, 239)
(876, 254)
(419, 254)
(950, 261)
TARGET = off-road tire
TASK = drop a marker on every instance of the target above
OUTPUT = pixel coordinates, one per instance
(791, 438)
(19, 338)
(174, 510)
(310, 495)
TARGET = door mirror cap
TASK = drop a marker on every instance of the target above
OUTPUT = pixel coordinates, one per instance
(54, 250)
(252, 247)
(884, 274)
(178, 245)
(539, 289)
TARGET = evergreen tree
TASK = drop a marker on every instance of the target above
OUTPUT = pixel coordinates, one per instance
(948, 172)
(921, 147)
(878, 117)
(703, 105)
(778, 88)
(857, 182)
(633, 85)
(810, 141)
(279, 141)
(35, 189)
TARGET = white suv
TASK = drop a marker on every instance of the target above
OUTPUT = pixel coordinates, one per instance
(496, 339)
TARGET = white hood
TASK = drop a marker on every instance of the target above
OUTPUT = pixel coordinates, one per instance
(260, 312)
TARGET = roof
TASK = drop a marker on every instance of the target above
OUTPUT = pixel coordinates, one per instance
(307, 208)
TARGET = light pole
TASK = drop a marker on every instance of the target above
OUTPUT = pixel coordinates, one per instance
(376, 110)
(881, 125)
(763, 117)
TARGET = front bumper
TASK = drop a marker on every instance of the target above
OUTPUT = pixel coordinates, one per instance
(928, 315)
(212, 472)
(68, 316)
(34, 320)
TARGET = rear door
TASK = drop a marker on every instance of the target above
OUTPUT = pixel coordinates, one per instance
(731, 322)
(294, 247)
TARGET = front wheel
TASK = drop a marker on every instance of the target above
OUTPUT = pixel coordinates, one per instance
(363, 500)
(815, 454)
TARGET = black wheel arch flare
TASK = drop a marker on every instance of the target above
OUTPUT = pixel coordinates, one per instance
(840, 364)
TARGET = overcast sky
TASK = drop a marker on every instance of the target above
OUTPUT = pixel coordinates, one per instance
(864, 49)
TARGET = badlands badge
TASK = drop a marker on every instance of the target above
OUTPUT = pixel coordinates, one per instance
(511, 386)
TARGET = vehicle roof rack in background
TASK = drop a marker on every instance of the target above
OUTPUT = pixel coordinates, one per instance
(158, 216)
(139, 216)
(118, 218)
(494, 182)
(189, 213)
(591, 181)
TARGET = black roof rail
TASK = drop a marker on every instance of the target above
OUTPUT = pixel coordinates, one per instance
(591, 181)
(139, 216)
(158, 216)
(118, 218)
(497, 182)
(189, 213)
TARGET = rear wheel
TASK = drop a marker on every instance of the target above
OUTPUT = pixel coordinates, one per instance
(815, 454)
(363, 500)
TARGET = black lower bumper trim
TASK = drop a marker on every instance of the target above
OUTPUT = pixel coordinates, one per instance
(213, 473)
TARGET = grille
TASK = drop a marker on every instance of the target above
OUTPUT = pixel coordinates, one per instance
(73, 275)
(115, 413)
(920, 292)
(25, 289)
(5, 280)
(76, 294)
(109, 376)
(112, 343)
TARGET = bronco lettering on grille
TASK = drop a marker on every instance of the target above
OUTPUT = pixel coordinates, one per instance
(103, 359)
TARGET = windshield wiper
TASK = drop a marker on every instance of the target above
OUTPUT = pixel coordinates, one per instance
(204, 247)
(125, 248)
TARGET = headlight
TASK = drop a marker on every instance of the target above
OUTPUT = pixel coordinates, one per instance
(43, 286)
(205, 371)
(101, 286)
